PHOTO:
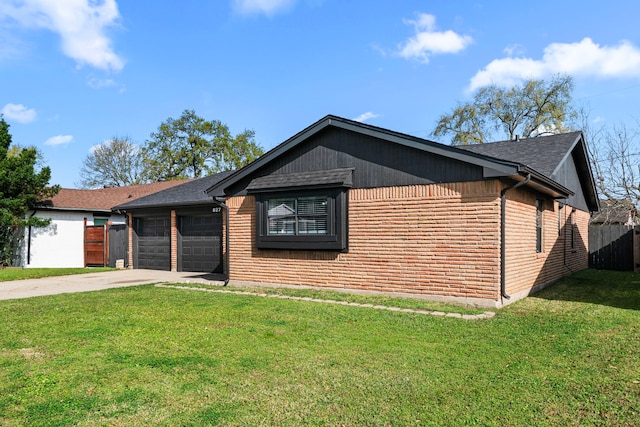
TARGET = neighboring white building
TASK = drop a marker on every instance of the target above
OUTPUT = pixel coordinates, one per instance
(62, 243)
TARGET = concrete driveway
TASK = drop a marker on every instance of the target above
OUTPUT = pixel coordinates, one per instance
(98, 281)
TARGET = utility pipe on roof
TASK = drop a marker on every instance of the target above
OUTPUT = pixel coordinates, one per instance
(226, 267)
(503, 226)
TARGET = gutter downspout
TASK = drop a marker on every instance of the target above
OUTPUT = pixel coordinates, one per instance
(503, 238)
(29, 238)
(226, 266)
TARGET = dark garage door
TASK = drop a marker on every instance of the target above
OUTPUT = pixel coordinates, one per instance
(201, 243)
(154, 243)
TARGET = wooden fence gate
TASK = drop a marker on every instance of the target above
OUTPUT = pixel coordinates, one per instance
(95, 246)
(118, 245)
(614, 247)
(105, 244)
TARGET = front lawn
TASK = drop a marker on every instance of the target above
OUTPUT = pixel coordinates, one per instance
(7, 274)
(158, 356)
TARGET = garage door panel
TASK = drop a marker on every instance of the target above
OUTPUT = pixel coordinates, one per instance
(154, 243)
(201, 243)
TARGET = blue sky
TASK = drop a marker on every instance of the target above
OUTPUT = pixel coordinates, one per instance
(74, 73)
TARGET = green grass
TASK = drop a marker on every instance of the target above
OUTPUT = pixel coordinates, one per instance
(7, 274)
(156, 356)
(362, 298)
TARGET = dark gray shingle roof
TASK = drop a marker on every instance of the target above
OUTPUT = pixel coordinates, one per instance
(334, 177)
(542, 154)
(190, 193)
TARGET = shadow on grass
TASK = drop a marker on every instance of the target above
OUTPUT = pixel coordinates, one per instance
(620, 289)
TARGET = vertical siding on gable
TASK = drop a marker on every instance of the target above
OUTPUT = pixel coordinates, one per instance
(568, 177)
(377, 163)
(440, 240)
(526, 269)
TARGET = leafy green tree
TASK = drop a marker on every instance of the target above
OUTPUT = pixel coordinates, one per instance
(22, 186)
(535, 108)
(115, 163)
(237, 151)
(190, 146)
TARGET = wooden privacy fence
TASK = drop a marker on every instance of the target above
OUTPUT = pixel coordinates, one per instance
(614, 247)
(104, 245)
(95, 246)
(118, 245)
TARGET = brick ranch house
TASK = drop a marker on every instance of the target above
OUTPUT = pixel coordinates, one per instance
(348, 205)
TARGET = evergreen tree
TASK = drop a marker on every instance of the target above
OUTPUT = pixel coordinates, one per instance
(22, 186)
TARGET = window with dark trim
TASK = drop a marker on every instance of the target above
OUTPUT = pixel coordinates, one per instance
(306, 220)
(298, 216)
(539, 210)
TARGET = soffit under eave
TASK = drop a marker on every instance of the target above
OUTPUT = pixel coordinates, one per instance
(545, 189)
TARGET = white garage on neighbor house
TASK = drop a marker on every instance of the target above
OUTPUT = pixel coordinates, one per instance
(81, 223)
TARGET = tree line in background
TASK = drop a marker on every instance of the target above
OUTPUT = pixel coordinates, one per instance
(186, 147)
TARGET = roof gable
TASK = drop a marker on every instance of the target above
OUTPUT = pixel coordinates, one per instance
(492, 166)
(562, 157)
(540, 161)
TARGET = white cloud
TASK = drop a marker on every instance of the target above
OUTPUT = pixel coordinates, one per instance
(18, 113)
(514, 49)
(81, 25)
(97, 83)
(427, 41)
(59, 140)
(366, 116)
(267, 7)
(584, 58)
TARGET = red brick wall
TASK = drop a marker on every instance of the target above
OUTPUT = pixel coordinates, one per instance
(525, 268)
(440, 240)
